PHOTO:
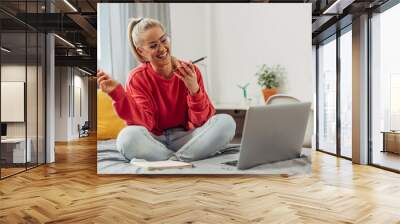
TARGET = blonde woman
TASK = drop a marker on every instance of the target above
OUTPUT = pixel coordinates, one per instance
(164, 103)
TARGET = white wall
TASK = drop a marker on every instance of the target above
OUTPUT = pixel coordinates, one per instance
(237, 38)
(17, 73)
(80, 103)
(82, 82)
(33, 126)
(68, 83)
(190, 40)
(61, 103)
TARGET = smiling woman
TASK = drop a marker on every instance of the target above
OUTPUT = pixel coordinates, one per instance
(153, 44)
(164, 103)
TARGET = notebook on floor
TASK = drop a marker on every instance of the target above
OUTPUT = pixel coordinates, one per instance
(161, 165)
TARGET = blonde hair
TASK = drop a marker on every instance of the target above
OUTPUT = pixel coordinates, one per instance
(136, 27)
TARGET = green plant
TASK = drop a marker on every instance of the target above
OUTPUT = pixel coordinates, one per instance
(269, 77)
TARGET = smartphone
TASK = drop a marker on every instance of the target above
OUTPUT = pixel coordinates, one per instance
(194, 62)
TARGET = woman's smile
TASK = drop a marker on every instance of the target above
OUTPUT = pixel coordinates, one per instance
(163, 55)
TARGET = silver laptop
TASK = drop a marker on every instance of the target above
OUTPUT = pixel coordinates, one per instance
(272, 133)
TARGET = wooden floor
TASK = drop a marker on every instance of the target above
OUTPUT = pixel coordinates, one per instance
(10, 171)
(70, 191)
(5, 172)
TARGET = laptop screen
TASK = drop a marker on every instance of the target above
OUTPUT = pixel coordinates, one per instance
(3, 129)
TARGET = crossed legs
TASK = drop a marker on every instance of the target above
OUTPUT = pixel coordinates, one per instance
(200, 143)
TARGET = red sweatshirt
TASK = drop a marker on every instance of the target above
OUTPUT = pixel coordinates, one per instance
(156, 103)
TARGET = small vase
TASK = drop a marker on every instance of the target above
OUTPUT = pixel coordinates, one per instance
(269, 92)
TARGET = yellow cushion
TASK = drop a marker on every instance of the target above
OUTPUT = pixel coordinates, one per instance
(108, 122)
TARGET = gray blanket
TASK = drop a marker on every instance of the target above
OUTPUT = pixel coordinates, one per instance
(110, 161)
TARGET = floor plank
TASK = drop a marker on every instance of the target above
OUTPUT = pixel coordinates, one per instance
(70, 191)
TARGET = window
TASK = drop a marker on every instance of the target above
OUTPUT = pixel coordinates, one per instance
(385, 88)
(346, 93)
(22, 67)
(327, 96)
(335, 74)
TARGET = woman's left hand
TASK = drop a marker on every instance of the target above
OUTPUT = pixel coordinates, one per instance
(187, 74)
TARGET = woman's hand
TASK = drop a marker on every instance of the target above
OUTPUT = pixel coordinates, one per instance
(188, 75)
(105, 83)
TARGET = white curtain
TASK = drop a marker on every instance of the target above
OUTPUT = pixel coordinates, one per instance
(113, 53)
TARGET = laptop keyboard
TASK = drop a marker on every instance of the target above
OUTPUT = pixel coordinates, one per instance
(230, 149)
(231, 163)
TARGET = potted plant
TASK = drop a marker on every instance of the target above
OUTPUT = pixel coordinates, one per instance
(269, 79)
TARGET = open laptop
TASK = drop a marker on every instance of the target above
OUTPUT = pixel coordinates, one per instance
(272, 133)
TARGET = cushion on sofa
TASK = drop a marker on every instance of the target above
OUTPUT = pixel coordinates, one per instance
(108, 122)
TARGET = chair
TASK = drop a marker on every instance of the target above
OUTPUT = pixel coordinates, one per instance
(84, 130)
(281, 99)
(285, 99)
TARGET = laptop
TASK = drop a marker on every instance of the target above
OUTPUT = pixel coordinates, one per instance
(272, 133)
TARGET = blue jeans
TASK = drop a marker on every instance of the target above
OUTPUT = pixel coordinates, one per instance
(199, 143)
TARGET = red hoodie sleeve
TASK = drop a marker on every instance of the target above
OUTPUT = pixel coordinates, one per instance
(134, 104)
(200, 106)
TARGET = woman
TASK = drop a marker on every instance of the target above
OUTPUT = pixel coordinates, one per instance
(164, 103)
